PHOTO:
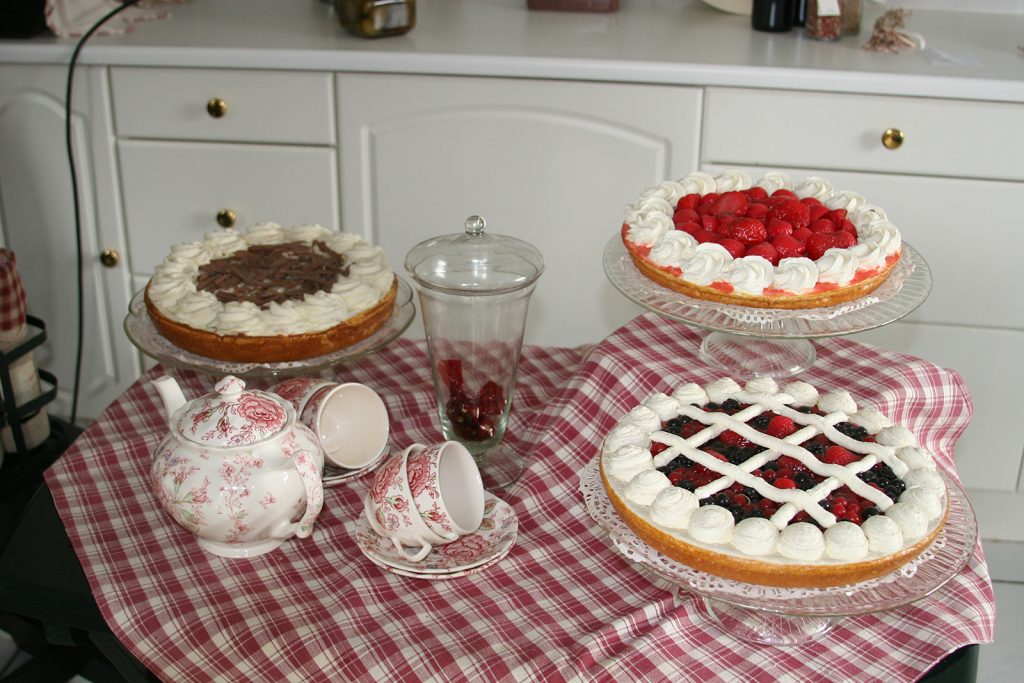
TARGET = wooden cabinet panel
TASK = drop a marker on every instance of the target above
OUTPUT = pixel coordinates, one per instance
(173, 191)
(552, 163)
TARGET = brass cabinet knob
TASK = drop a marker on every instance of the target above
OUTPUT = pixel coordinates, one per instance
(892, 138)
(110, 257)
(226, 218)
(216, 107)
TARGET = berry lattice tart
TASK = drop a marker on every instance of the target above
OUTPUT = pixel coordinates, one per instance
(779, 487)
(771, 244)
(271, 294)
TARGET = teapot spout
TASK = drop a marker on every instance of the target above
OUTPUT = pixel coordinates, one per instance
(171, 394)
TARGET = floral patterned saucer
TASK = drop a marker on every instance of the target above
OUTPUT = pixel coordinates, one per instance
(334, 475)
(429, 576)
(492, 541)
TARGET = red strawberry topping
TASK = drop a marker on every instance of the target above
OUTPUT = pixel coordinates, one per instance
(788, 246)
(730, 204)
(837, 455)
(766, 251)
(792, 211)
(735, 248)
(747, 230)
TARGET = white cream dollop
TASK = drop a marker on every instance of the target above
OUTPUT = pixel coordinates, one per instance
(915, 458)
(803, 394)
(674, 249)
(755, 536)
(928, 478)
(626, 435)
(732, 179)
(896, 436)
(698, 182)
(813, 186)
(772, 181)
(627, 461)
(751, 274)
(645, 486)
(672, 507)
(240, 317)
(643, 417)
(663, 405)
(910, 519)
(648, 228)
(711, 524)
(925, 499)
(708, 263)
(883, 534)
(690, 393)
(837, 266)
(837, 402)
(845, 541)
(795, 274)
(802, 541)
(870, 419)
(721, 389)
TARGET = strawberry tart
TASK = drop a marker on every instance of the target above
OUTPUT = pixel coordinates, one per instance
(770, 244)
(778, 486)
(271, 294)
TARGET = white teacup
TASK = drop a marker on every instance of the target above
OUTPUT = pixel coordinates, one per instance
(350, 419)
(392, 512)
(446, 487)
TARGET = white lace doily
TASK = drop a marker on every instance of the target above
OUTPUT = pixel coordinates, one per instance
(916, 579)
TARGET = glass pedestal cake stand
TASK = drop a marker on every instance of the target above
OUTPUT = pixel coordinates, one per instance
(143, 334)
(755, 342)
(792, 616)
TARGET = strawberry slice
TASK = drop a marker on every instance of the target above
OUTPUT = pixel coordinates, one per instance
(778, 227)
(837, 216)
(747, 230)
(822, 225)
(709, 222)
(735, 248)
(788, 246)
(691, 227)
(843, 239)
(758, 211)
(818, 244)
(731, 438)
(491, 399)
(792, 211)
(684, 215)
(450, 372)
(730, 204)
(766, 251)
(784, 193)
(690, 201)
(817, 209)
(756, 194)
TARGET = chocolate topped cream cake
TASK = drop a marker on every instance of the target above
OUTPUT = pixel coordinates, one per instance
(271, 294)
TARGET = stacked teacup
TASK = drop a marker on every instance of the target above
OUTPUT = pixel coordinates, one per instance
(426, 496)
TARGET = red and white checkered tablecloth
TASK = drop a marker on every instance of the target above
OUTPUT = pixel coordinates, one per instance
(563, 605)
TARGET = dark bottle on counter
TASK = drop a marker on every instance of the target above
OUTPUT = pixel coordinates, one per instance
(774, 16)
(798, 12)
(376, 18)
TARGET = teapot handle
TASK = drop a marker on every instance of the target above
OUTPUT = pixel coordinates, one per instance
(309, 473)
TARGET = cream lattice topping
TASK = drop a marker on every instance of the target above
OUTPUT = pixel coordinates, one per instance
(805, 529)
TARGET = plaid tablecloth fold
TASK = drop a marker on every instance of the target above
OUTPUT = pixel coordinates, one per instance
(563, 605)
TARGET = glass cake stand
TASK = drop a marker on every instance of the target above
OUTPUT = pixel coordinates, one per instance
(755, 342)
(792, 616)
(143, 334)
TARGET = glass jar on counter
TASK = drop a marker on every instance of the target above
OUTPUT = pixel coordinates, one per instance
(825, 19)
(376, 18)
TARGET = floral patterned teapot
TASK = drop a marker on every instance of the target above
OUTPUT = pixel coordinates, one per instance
(237, 469)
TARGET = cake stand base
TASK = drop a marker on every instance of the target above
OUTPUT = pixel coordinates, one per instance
(762, 627)
(742, 356)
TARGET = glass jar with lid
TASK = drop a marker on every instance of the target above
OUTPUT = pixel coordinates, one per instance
(376, 18)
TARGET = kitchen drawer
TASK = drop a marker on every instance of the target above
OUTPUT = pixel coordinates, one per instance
(815, 130)
(173, 191)
(259, 106)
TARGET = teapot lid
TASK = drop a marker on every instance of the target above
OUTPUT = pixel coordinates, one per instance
(474, 261)
(231, 417)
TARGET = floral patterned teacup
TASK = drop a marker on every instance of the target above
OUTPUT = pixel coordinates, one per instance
(392, 512)
(350, 419)
(446, 488)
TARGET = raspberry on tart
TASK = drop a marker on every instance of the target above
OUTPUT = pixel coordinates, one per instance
(772, 244)
(774, 486)
(271, 294)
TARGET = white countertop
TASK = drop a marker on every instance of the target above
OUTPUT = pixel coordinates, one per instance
(646, 41)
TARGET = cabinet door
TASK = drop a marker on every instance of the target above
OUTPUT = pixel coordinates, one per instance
(173, 191)
(552, 163)
(36, 214)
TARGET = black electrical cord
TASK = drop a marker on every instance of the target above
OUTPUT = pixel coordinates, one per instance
(74, 198)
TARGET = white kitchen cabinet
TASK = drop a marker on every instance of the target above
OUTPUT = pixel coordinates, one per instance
(552, 163)
(963, 220)
(36, 214)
